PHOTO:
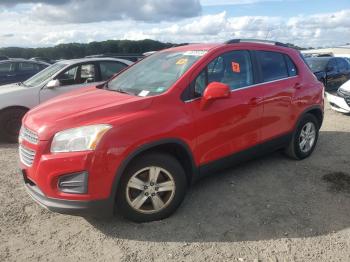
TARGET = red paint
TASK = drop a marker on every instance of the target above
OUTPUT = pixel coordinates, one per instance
(228, 123)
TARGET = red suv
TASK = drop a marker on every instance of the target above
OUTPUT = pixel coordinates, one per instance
(137, 142)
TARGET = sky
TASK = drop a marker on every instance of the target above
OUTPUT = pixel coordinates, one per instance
(41, 23)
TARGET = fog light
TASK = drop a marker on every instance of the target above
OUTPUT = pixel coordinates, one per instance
(74, 183)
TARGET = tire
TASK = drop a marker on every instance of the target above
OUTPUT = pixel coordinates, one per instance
(10, 124)
(169, 171)
(296, 150)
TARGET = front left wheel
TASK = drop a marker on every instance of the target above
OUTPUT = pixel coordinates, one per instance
(152, 188)
(10, 124)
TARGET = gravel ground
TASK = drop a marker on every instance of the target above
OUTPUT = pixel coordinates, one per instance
(269, 209)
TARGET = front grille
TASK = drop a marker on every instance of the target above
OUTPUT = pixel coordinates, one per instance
(26, 155)
(29, 135)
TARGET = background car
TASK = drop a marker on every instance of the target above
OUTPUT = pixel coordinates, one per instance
(331, 71)
(59, 78)
(3, 57)
(43, 59)
(19, 70)
(341, 100)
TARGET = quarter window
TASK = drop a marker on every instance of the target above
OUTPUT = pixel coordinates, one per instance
(273, 65)
(292, 69)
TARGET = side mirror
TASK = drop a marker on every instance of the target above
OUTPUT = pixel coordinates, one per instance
(53, 84)
(214, 90)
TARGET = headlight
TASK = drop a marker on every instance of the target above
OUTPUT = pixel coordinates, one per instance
(83, 138)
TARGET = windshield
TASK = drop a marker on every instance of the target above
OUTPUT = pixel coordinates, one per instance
(156, 73)
(44, 76)
(317, 64)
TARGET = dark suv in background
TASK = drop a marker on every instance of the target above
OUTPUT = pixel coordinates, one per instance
(19, 70)
(331, 71)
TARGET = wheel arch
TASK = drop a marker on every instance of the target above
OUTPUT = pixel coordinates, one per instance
(314, 110)
(175, 147)
(14, 107)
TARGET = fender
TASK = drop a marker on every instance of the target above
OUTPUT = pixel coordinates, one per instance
(145, 147)
(307, 110)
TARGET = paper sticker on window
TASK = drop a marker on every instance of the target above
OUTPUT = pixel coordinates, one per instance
(182, 61)
(196, 53)
(144, 93)
(235, 67)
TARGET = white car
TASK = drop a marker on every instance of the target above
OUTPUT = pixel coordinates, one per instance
(341, 100)
(59, 78)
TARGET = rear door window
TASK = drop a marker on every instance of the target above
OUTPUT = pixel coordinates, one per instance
(273, 66)
(109, 68)
(26, 67)
(7, 68)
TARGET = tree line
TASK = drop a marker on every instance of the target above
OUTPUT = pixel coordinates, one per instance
(78, 50)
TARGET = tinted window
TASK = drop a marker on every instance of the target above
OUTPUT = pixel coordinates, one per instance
(273, 66)
(233, 69)
(332, 65)
(28, 67)
(292, 69)
(7, 67)
(317, 64)
(108, 69)
(343, 65)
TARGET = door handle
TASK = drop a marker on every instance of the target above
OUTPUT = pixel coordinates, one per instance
(297, 86)
(255, 100)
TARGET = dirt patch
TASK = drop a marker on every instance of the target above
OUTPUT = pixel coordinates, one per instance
(338, 181)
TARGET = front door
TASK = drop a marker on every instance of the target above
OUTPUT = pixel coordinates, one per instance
(72, 78)
(232, 124)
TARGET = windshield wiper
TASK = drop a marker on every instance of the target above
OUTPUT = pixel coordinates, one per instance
(120, 90)
(22, 84)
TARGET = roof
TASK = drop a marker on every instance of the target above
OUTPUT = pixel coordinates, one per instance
(24, 60)
(242, 43)
(83, 60)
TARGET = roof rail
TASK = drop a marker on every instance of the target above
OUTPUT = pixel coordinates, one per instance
(235, 41)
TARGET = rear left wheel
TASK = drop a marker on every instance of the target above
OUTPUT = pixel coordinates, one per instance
(304, 138)
(152, 188)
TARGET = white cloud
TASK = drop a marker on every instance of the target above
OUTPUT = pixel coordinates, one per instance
(233, 2)
(78, 11)
(314, 30)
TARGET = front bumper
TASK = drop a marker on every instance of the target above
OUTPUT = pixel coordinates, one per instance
(94, 208)
(338, 103)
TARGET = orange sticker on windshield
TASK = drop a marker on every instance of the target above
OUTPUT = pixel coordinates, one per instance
(235, 67)
(181, 61)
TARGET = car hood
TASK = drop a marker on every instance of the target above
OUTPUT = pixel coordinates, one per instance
(82, 107)
(345, 86)
(5, 89)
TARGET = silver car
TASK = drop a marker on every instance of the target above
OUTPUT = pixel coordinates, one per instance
(57, 79)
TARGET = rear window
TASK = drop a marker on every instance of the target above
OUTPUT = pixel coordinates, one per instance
(273, 66)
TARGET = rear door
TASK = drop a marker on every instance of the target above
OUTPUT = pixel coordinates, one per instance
(279, 82)
(231, 124)
(26, 70)
(72, 78)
